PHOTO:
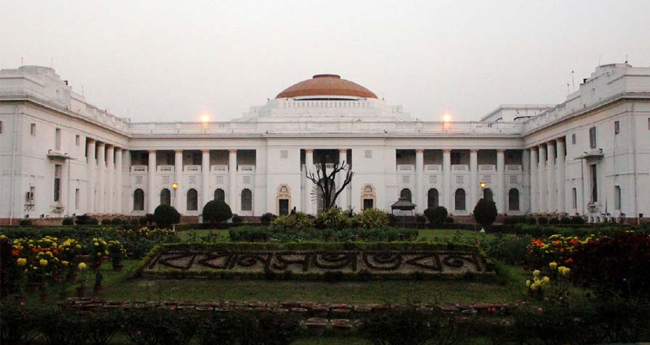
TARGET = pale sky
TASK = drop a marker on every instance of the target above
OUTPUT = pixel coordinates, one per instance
(170, 60)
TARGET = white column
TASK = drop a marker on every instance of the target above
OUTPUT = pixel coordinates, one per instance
(101, 178)
(65, 167)
(110, 180)
(501, 177)
(178, 178)
(551, 198)
(524, 193)
(473, 180)
(118, 181)
(232, 181)
(561, 177)
(92, 163)
(446, 181)
(343, 197)
(309, 186)
(205, 178)
(152, 196)
(419, 181)
(534, 179)
(541, 185)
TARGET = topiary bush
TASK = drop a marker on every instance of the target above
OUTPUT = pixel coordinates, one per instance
(26, 222)
(165, 216)
(216, 212)
(436, 215)
(67, 221)
(485, 212)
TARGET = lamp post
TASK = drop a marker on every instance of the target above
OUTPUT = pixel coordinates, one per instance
(205, 119)
(446, 120)
(482, 185)
(174, 188)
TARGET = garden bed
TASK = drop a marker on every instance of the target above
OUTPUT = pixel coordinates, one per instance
(314, 261)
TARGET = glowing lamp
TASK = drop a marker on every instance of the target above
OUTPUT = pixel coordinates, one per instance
(205, 118)
(446, 118)
(482, 184)
(175, 185)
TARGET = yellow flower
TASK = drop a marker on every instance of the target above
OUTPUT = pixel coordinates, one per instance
(546, 280)
(21, 262)
(534, 287)
(96, 244)
(43, 262)
(528, 283)
(49, 254)
(3, 237)
(65, 263)
(553, 265)
(78, 246)
(536, 273)
(81, 266)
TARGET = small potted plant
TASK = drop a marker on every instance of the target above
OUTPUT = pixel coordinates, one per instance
(116, 253)
(81, 288)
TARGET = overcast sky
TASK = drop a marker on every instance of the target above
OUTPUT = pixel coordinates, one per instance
(173, 60)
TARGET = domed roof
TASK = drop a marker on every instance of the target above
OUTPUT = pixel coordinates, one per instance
(326, 85)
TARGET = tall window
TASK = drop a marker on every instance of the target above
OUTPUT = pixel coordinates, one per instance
(246, 200)
(594, 183)
(488, 195)
(455, 158)
(220, 195)
(57, 182)
(405, 194)
(138, 200)
(592, 137)
(192, 200)
(575, 198)
(165, 197)
(57, 139)
(617, 198)
(573, 139)
(432, 198)
(513, 200)
(32, 129)
(76, 199)
(0, 127)
(459, 204)
(617, 127)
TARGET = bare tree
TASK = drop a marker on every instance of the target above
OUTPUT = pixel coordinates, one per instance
(325, 181)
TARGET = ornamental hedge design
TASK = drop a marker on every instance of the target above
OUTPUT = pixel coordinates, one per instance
(315, 260)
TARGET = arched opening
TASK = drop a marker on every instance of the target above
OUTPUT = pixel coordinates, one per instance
(220, 195)
(368, 197)
(246, 200)
(432, 198)
(283, 200)
(406, 194)
(488, 195)
(192, 200)
(138, 200)
(459, 204)
(513, 200)
(165, 197)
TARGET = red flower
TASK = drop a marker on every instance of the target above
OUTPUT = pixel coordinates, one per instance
(569, 261)
(15, 253)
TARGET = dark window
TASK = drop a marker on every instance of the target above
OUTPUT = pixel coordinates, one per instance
(219, 195)
(575, 198)
(617, 197)
(405, 194)
(246, 200)
(573, 139)
(488, 195)
(459, 200)
(0, 127)
(57, 182)
(165, 197)
(594, 183)
(32, 129)
(432, 198)
(592, 137)
(192, 200)
(284, 207)
(617, 127)
(138, 200)
(455, 158)
(368, 204)
(513, 200)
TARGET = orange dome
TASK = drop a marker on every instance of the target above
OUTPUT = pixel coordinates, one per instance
(326, 85)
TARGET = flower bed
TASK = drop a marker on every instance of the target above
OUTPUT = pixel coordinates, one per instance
(329, 261)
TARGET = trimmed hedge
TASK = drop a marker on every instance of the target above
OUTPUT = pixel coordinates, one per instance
(263, 234)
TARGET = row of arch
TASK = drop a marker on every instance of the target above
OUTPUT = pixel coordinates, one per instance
(460, 198)
(192, 199)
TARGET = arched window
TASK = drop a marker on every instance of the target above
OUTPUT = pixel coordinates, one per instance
(460, 200)
(488, 195)
(405, 194)
(432, 197)
(192, 200)
(138, 200)
(219, 195)
(246, 200)
(165, 197)
(513, 200)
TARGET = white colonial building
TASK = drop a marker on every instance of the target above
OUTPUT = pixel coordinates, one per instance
(589, 156)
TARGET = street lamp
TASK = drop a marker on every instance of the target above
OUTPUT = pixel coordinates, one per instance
(205, 119)
(174, 187)
(446, 120)
(482, 184)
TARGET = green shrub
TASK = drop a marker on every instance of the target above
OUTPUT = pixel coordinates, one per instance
(577, 220)
(294, 221)
(436, 215)
(511, 220)
(236, 220)
(118, 221)
(554, 221)
(226, 328)
(160, 326)
(276, 329)
(262, 234)
(373, 219)
(556, 325)
(67, 221)
(485, 212)
(26, 222)
(333, 218)
(508, 248)
(216, 212)
(267, 218)
(18, 324)
(165, 216)
(107, 221)
(60, 326)
(412, 326)
(542, 220)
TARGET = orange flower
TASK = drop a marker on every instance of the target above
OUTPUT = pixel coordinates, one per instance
(15, 253)
(569, 261)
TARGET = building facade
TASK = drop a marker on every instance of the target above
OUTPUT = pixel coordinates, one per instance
(588, 156)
